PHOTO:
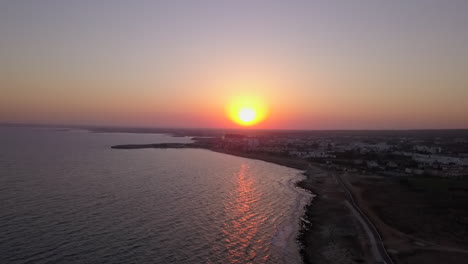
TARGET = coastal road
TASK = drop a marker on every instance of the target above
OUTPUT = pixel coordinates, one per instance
(378, 248)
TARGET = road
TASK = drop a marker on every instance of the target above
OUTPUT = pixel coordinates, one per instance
(378, 248)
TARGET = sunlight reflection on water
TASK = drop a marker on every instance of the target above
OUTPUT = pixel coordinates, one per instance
(242, 224)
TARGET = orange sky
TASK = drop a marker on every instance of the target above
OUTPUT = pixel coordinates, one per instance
(320, 65)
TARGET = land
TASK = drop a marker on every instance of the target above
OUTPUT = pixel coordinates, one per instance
(388, 197)
(423, 219)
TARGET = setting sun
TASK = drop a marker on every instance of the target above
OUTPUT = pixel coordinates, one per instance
(247, 115)
(247, 111)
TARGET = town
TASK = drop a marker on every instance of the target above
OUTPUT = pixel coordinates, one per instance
(386, 155)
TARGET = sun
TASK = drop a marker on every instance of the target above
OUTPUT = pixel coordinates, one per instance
(247, 111)
(246, 115)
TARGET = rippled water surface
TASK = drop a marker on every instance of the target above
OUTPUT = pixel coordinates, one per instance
(66, 197)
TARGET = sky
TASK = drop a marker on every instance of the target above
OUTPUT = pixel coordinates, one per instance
(367, 64)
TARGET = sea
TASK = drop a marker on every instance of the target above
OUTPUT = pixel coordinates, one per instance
(67, 197)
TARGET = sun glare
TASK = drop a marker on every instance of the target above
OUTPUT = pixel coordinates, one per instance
(247, 111)
(247, 115)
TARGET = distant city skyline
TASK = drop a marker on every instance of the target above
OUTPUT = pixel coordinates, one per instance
(313, 64)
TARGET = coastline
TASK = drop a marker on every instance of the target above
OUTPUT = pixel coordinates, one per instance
(347, 241)
(328, 231)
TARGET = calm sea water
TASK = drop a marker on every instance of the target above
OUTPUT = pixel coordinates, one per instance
(66, 197)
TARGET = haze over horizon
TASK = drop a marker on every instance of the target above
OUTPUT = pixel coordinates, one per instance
(313, 64)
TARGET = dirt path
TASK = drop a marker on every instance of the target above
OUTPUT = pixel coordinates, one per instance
(378, 249)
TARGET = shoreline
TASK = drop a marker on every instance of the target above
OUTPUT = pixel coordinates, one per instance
(293, 163)
(322, 211)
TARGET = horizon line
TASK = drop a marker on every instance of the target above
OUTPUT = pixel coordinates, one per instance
(95, 126)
